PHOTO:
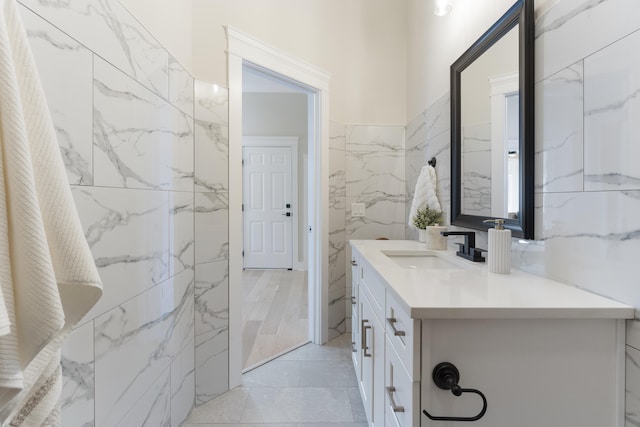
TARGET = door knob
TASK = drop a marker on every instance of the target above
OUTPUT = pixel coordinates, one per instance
(286, 214)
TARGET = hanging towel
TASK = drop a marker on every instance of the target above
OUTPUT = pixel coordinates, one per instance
(48, 276)
(424, 193)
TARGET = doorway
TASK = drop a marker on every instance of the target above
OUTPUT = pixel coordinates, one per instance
(274, 279)
(244, 50)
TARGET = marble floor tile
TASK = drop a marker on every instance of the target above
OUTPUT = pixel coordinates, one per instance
(226, 408)
(248, 425)
(337, 349)
(277, 373)
(324, 373)
(297, 404)
(291, 392)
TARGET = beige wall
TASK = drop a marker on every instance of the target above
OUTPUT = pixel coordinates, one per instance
(361, 43)
(170, 22)
(434, 43)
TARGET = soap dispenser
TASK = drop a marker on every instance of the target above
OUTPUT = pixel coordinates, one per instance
(499, 250)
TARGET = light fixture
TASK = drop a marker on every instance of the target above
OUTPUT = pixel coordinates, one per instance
(442, 7)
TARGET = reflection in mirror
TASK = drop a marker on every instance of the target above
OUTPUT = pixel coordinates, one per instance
(489, 130)
(492, 126)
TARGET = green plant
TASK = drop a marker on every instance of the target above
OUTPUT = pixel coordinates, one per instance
(426, 216)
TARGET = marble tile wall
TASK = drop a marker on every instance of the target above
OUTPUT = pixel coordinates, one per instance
(339, 288)
(130, 122)
(428, 137)
(374, 175)
(212, 241)
(587, 214)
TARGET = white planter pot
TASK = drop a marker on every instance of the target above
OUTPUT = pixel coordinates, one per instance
(422, 236)
(434, 239)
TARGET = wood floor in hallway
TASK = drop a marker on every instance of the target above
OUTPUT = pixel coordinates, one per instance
(274, 313)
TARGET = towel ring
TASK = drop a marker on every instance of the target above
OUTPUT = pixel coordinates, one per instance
(432, 162)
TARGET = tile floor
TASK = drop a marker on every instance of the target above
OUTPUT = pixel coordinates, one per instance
(310, 386)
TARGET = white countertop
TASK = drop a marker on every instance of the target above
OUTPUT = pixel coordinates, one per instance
(469, 291)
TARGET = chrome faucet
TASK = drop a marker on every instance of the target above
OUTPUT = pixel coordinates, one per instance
(467, 249)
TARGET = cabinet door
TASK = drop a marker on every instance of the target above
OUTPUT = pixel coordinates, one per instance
(372, 383)
(366, 351)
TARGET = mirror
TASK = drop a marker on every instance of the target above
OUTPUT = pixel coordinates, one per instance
(492, 146)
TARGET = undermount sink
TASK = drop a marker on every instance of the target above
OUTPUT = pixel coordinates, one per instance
(420, 260)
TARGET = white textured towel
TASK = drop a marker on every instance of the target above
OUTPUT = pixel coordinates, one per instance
(48, 276)
(424, 193)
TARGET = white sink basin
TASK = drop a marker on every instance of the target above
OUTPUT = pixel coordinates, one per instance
(420, 260)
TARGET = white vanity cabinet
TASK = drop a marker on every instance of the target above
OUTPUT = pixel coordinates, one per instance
(543, 353)
(356, 347)
(371, 297)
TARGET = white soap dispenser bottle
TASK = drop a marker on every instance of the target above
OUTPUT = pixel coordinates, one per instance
(499, 250)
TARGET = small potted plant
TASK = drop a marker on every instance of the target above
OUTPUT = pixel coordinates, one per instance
(428, 221)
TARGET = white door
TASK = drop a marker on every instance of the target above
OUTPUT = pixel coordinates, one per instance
(267, 198)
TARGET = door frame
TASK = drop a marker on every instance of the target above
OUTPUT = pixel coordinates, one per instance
(292, 143)
(243, 49)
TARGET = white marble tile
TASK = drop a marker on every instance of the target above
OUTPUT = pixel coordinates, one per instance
(476, 170)
(128, 233)
(416, 133)
(183, 385)
(212, 103)
(565, 34)
(337, 321)
(109, 30)
(77, 398)
(153, 409)
(388, 139)
(529, 255)
(427, 137)
(323, 373)
(337, 159)
(438, 117)
(226, 408)
(180, 87)
(181, 234)
(276, 373)
(337, 242)
(212, 157)
(336, 349)
(66, 72)
(212, 366)
(212, 297)
(140, 140)
(611, 105)
(559, 143)
(136, 342)
(297, 404)
(632, 387)
(376, 173)
(591, 240)
(384, 217)
(212, 227)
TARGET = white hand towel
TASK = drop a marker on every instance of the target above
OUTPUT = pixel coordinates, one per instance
(48, 276)
(425, 193)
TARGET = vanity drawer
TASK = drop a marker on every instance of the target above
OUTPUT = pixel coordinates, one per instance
(404, 334)
(402, 394)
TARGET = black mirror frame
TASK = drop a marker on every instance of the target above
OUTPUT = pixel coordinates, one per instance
(520, 13)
